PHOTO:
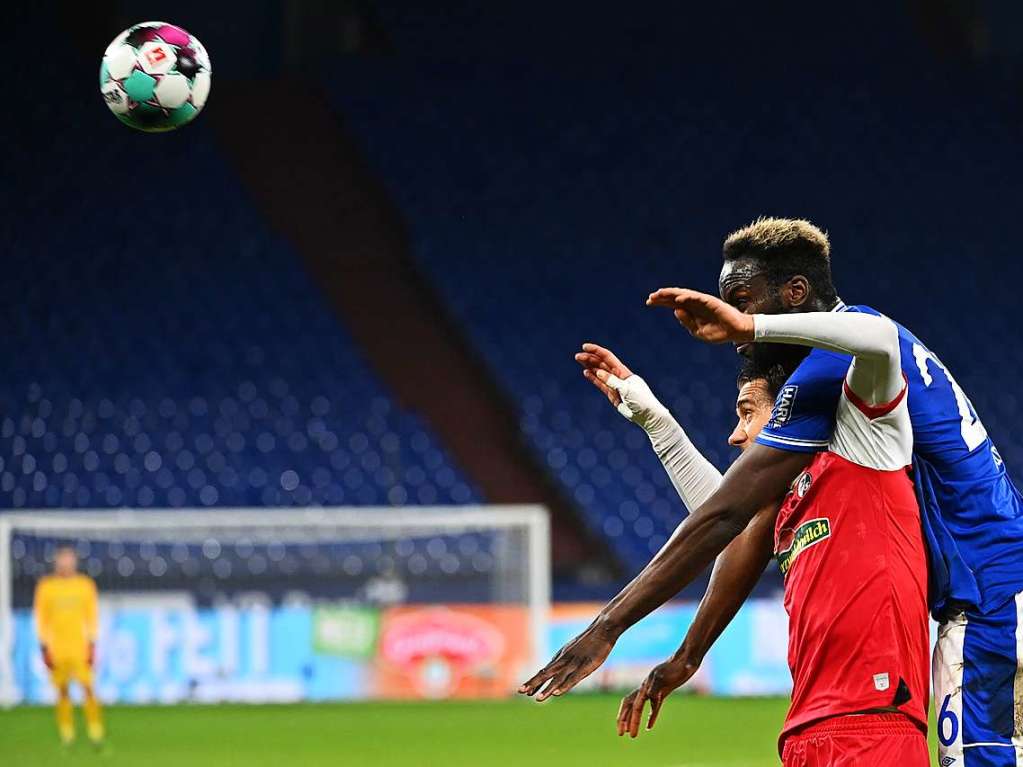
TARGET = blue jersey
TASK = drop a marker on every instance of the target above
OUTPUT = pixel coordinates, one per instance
(972, 513)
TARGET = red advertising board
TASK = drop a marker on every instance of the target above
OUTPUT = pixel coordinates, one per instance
(451, 651)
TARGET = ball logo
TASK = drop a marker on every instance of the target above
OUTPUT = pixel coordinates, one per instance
(113, 96)
(155, 55)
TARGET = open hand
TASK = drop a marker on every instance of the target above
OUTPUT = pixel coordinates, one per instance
(599, 365)
(628, 392)
(661, 682)
(705, 317)
(572, 663)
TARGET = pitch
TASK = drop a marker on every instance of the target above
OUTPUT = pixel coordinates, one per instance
(577, 730)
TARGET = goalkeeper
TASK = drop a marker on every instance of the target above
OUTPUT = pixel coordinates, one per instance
(66, 623)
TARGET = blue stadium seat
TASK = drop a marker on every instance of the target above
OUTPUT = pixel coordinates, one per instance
(162, 348)
(549, 192)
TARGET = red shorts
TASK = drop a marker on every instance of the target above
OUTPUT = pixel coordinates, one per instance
(866, 740)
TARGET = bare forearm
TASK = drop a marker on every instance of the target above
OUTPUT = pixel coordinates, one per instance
(759, 478)
(736, 573)
(697, 542)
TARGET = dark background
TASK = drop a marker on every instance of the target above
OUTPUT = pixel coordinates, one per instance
(360, 275)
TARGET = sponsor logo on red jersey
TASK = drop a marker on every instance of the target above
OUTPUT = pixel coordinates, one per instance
(808, 534)
(802, 483)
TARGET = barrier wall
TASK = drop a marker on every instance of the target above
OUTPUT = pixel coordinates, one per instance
(167, 651)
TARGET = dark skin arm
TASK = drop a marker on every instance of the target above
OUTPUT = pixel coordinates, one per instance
(735, 574)
(759, 478)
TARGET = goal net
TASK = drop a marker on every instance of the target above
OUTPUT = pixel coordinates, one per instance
(288, 605)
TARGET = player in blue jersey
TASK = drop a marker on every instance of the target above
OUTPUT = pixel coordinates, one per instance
(972, 513)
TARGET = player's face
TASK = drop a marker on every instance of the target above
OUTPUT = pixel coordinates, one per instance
(744, 284)
(753, 407)
(66, 562)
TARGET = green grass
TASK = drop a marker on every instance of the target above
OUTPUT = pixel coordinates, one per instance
(574, 731)
(579, 730)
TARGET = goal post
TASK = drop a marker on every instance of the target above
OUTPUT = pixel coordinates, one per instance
(289, 604)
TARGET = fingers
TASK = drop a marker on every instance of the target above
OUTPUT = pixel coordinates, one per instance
(655, 709)
(554, 687)
(687, 320)
(602, 353)
(636, 711)
(573, 677)
(684, 304)
(663, 297)
(622, 721)
(596, 379)
(534, 683)
(609, 360)
(592, 361)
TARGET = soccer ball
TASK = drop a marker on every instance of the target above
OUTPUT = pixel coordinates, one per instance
(155, 77)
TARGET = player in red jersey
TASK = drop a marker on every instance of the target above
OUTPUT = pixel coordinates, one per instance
(849, 542)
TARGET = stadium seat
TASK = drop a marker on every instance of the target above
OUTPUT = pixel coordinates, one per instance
(548, 194)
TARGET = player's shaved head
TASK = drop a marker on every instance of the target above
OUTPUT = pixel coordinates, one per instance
(776, 265)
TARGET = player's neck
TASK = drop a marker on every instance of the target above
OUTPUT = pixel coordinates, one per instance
(815, 305)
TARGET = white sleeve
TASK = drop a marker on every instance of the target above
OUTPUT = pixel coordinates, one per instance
(693, 476)
(876, 371)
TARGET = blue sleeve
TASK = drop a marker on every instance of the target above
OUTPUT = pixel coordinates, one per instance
(803, 418)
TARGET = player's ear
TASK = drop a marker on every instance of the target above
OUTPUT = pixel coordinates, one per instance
(796, 292)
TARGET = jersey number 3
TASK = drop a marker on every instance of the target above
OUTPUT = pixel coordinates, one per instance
(972, 429)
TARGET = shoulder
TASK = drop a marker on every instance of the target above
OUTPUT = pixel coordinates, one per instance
(905, 335)
(862, 309)
(821, 368)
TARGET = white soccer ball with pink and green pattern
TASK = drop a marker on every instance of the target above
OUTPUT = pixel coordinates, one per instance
(155, 76)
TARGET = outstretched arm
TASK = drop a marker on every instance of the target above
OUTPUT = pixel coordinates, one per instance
(735, 574)
(692, 475)
(876, 371)
(758, 479)
(875, 375)
(738, 568)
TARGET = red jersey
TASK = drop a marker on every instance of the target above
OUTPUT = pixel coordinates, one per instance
(849, 543)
